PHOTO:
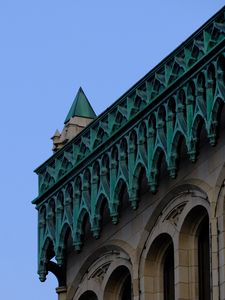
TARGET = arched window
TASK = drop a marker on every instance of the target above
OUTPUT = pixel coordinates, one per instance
(194, 256)
(126, 289)
(168, 274)
(204, 260)
(119, 286)
(159, 269)
(89, 295)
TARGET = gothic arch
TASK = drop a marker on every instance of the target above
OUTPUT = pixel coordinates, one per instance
(102, 200)
(159, 153)
(160, 251)
(65, 231)
(198, 122)
(178, 150)
(48, 249)
(189, 261)
(189, 186)
(169, 216)
(100, 264)
(88, 295)
(181, 98)
(178, 135)
(139, 172)
(214, 122)
(101, 213)
(47, 253)
(120, 186)
(117, 284)
(81, 227)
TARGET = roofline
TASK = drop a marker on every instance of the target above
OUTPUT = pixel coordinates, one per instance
(139, 82)
(102, 147)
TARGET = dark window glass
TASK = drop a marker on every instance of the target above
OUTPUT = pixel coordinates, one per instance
(204, 261)
(88, 296)
(126, 290)
(168, 274)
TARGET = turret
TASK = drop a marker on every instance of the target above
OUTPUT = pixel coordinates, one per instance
(80, 115)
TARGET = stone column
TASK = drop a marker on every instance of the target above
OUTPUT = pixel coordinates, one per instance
(214, 259)
(61, 291)
(221, 240)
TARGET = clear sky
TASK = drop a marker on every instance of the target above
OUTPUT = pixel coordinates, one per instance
(48, 50)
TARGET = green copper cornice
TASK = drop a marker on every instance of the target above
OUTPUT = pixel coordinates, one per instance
(81, 107)
(148, 124)
(177, 65)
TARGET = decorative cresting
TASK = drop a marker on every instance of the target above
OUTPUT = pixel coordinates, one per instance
(108, 158)
(141, 96)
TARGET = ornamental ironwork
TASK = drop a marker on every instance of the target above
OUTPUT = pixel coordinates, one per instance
(164, 112)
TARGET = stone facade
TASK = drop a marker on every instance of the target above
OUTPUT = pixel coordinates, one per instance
(137, 244)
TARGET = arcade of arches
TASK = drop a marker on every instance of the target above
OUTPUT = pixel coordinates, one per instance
(172, 247)
(175, 256)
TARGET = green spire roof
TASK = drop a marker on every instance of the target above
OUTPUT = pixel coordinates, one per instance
(80, 107)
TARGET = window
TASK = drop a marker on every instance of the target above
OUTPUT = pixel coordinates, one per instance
(126, 289)
(168, 274)
(88, 296)
(204, 260)
(119, 285)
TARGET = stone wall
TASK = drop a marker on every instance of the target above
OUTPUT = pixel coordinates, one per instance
(137, 244)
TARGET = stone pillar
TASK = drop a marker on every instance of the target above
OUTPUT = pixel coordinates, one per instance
(214, 259)
(221, 240)
(61, 291)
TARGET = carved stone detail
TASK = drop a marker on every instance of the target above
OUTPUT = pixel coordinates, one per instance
(173, 216)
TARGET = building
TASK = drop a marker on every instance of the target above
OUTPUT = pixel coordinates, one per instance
(131, 204)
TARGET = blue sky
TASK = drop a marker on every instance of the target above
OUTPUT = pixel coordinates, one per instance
(48, 50)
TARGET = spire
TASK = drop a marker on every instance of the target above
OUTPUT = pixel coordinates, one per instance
(81, 107)
(80, 115)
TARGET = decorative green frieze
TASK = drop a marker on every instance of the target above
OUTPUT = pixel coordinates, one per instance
(147, 125)
(141, 96)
